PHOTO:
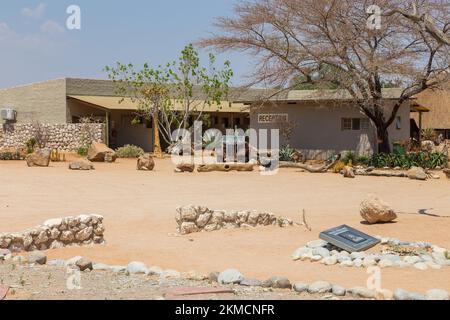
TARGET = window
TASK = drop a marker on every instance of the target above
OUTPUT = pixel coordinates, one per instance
(225, 122)
(398, 123)
(355, 124)
(364, 124)
(346, 124)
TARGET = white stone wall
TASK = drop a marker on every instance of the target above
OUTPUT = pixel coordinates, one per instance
(56, 233)
(64, 137)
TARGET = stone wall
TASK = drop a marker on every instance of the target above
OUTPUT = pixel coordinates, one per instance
(64, 137)
(197, 218)
(56, 233)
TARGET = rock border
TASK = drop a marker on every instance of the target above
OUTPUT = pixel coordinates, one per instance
(192, 219)
(327, 254)
(57, 233)
(234, 277)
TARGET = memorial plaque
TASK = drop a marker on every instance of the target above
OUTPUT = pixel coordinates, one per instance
(349, 239)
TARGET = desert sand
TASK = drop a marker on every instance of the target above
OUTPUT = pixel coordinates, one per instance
(139, 210)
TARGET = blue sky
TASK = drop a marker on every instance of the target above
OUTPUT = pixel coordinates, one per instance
(35, 44)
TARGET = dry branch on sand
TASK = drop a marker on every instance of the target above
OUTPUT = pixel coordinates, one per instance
(319, 169)
(226, 167)
(304, 222)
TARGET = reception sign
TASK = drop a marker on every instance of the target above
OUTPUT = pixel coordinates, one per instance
(272, 117)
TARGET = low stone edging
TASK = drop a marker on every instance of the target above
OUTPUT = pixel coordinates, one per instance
(232, 277)
(192, 219)
(56, 233)
(420, 255)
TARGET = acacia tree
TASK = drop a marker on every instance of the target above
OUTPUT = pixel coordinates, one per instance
(148, 88)
(170, 95)
(297, 39)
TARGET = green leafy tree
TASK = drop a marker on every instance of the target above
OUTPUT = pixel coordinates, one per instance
(171, 95)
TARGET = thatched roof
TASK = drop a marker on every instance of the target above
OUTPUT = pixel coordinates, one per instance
(438, 101)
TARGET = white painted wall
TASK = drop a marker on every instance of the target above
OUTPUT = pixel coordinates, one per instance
(318, 127)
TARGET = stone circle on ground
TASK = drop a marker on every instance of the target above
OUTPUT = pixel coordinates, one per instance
(394, 253)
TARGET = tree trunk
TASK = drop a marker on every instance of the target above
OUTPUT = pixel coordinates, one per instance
(384, 145)
(157, 152)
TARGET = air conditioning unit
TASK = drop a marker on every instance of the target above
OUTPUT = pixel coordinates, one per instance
(8, 114)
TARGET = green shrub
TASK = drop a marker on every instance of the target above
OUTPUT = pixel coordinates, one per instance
(83, 151)
(10, 156)
(412, 159)
(129, 151)
(363, 160)
(349, 158)
(286, 153)
(31, 144)
(428, 134)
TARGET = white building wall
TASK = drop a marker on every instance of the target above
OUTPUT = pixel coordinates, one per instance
(317, 132)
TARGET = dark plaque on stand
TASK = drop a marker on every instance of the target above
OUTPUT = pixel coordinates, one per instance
(349, 239)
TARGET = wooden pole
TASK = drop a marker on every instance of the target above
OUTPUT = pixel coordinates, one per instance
(420, 126)
(157, 152)
(107, 128)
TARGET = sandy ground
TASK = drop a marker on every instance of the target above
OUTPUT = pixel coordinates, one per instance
(139, 210)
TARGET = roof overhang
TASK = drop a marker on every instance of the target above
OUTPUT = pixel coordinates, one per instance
(108, 103)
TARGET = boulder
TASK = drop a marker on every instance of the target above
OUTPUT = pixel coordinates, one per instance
(155, 271)
(81, 165)
(214, 276)
(37, 257)
(4, 254)
(185, 167)
(277, 282)
(348, 172)
(362, 292)
(188, 227)
(137, 267)
(145, 163)
(251, 283)
(417, 173)
(39, 158)
(99, 152)
(73, 261)
(170, 274)
(338, 290)
(84, 264)
(84, 234)
(101, 267)
(437, 294)
(300, 287)
(375, 210)
(400, 294)
(230, 276)
(319, 287)
(447, 173)
(316, 243)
